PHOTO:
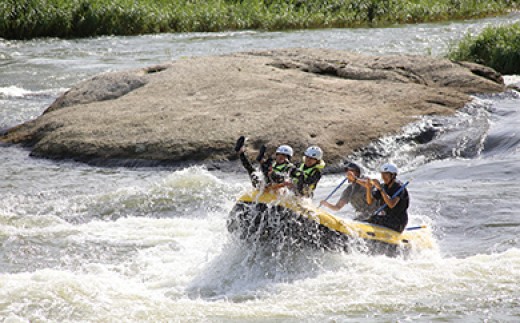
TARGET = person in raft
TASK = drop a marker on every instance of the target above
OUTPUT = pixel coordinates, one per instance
(306, 175)
(395, 215)
(275, 171)
(354, 193)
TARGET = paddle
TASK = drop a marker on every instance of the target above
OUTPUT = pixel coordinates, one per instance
(240, 143)
(416, 228)
(261, 153)
(334, 191)
(394, 196)
(382, 207)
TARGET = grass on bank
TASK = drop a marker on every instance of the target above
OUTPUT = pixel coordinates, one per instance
(24, 19)
(496, 47)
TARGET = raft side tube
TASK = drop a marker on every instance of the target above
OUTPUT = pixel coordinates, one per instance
(417, 239)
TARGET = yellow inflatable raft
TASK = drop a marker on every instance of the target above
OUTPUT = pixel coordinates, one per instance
(288, 220)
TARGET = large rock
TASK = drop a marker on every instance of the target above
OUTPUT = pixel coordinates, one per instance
(194, 109)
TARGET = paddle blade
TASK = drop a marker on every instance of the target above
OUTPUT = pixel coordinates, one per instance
(261, 153)
(240, 143)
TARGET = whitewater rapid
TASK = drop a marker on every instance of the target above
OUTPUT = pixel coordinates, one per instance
(82, 243)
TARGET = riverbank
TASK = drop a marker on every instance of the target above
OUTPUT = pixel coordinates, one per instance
(496, 47)
(72, 19)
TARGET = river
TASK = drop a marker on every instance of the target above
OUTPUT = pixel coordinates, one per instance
(82, 243)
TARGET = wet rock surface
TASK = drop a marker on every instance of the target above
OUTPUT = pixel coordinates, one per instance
(193, 110)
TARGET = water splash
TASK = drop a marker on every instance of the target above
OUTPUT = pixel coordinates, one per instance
(431, 138)
(15, 92)
(191, 192)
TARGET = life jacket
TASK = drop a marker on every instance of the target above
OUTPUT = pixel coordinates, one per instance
(307, 172)
(280, 171)
(282, 168)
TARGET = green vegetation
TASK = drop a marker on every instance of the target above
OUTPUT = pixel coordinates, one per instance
(23, 19)
(496, 47)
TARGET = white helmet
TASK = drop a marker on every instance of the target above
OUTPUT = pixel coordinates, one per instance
(314, 152)
(285, 150)
(389, 168)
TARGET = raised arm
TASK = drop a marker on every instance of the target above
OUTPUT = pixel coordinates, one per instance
(366, 182)
(368, 186)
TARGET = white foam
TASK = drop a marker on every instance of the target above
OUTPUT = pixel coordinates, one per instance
(512, 79)
(18, 92)
(13, 92)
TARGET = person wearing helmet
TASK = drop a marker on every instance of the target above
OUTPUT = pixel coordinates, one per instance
(278, 171)
(395, 215)
(274, 171)
(306, 175)
(354, 193)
